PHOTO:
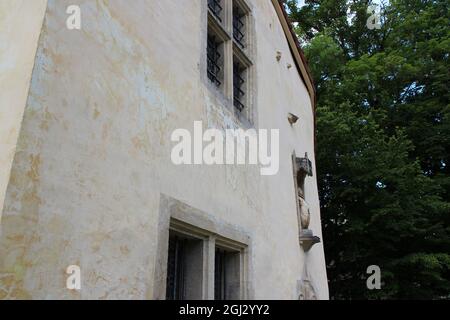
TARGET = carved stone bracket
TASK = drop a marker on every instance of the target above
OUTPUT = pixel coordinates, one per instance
(308, 239)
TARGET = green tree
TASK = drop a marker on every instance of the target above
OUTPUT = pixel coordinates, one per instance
(383, 143)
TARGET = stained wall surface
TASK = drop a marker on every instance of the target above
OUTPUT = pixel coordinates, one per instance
(20, 26)
(93, 154)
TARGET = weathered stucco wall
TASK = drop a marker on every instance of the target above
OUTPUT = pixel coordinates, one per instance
(93, 155)
(20, 26)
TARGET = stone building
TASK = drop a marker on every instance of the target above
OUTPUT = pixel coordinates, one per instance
(90, 94)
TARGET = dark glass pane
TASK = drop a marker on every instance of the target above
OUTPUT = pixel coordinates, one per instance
(219, 275)
(213, 60)
(238, 83)
(216, 8)
(175, 269)
(238, 26)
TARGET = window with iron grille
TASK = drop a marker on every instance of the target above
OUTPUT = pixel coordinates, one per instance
(216, 8)
(241, 61)
(239, 25)
(229, 51)
(195, 256)
(238, 86)
(214, 64)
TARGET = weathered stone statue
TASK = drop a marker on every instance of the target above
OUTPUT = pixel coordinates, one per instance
(305, 214)
(307, 238)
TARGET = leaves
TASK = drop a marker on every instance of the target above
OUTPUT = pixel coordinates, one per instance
(383, 143)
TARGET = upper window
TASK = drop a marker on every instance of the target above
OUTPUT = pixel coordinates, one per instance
(229, 63)
(239, 23)
(216, 8)
(238, 86)
(215, 60)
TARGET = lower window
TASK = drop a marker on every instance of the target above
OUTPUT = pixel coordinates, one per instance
(203, 265)
(226, 275)
(184, 268)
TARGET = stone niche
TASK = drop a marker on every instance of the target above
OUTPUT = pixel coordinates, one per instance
(303, 168)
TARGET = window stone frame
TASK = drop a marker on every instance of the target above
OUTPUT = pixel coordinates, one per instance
(182, 218)
(223, 96)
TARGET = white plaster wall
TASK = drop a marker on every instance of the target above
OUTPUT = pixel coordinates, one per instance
(94, 154)
(20, 26)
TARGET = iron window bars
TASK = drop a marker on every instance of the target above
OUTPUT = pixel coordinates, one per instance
(216, 8)
(238, 83)
(220, 275)
(213, 57)
(175, 269)
(238, 26)
(218, 41)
